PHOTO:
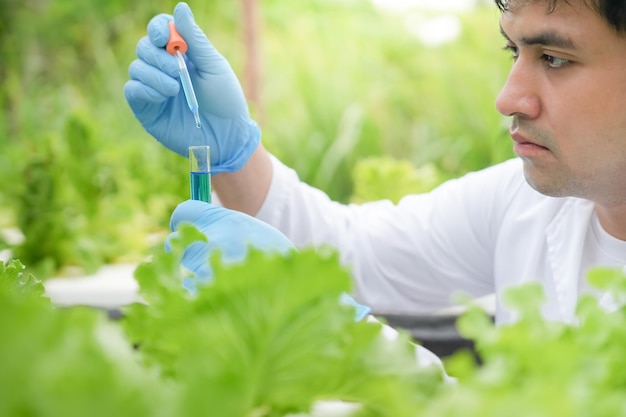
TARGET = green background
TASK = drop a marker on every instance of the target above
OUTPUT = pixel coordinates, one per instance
(348, 97)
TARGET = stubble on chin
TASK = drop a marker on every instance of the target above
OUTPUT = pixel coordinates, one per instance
(545, 181)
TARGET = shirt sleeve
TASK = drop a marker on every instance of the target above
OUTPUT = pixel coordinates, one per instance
(410, 257)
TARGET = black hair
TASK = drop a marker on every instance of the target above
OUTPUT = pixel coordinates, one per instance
(613, 11)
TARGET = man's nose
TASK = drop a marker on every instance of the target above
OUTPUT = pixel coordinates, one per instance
(520, 94)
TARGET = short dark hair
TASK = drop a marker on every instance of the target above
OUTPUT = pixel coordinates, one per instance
(613, 11)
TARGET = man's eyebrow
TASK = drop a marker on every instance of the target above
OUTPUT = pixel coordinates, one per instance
(546, 38)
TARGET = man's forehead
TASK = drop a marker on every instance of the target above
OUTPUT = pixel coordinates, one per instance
(551, 5)
(564, 27)
(572, 25)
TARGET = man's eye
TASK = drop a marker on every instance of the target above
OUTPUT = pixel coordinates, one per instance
(512, 50)
(554, 62)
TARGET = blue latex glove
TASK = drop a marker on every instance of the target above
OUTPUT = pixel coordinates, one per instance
(230, 232)
(156, 97)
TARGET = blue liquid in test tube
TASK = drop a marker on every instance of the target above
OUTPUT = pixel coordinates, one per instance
(200, 173)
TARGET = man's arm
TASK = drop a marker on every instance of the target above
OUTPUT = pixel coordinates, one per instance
(246, 189)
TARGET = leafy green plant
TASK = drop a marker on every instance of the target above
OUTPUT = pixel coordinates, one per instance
(68, 199)
(74, 163)
(265, 338)
(69, 362)
(378, 178)
(543, 368)
(59, 202)
(269, 337)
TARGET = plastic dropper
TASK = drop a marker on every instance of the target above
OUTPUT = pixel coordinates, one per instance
(177, 46)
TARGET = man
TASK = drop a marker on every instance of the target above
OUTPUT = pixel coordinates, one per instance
(548, 216)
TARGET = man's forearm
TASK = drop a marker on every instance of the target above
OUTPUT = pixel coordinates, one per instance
(246, 189)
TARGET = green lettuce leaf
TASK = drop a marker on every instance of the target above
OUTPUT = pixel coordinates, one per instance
(269, 337)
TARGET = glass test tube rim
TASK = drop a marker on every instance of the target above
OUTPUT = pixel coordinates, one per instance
(199, 159)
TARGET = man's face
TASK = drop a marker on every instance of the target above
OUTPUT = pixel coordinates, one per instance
(567, 94)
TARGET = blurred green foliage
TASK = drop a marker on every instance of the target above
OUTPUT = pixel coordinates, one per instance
(341, 81)
(365, 86)
(376, 178)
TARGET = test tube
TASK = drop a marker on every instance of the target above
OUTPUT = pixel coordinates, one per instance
(200, 173)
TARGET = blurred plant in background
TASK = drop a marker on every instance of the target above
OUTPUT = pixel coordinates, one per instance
(351, 81)
(341, 81)
(381, 177)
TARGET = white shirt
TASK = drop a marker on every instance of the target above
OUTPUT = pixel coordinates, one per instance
(478, 234)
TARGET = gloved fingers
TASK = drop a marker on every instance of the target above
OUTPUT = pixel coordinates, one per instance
(196, 259)
(361, 311)
(195, 256)
(201, 52)
(157, 57)
(142, 100)
(231, 231)
(168, 241)
(150, 84)
(158, 29)
(259, 238)
(191, 211)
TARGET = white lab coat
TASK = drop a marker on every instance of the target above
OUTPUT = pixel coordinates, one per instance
(478, 234)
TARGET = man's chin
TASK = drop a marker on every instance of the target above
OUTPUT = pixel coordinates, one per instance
(542, 182)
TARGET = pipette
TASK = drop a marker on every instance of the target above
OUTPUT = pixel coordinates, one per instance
(177, 46)
(200, 173)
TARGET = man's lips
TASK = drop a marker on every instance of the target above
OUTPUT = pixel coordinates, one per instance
(525, 146)
(519, 138)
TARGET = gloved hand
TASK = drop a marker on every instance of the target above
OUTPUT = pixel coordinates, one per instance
(228, 231)
(156, 97)
(231, 232)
